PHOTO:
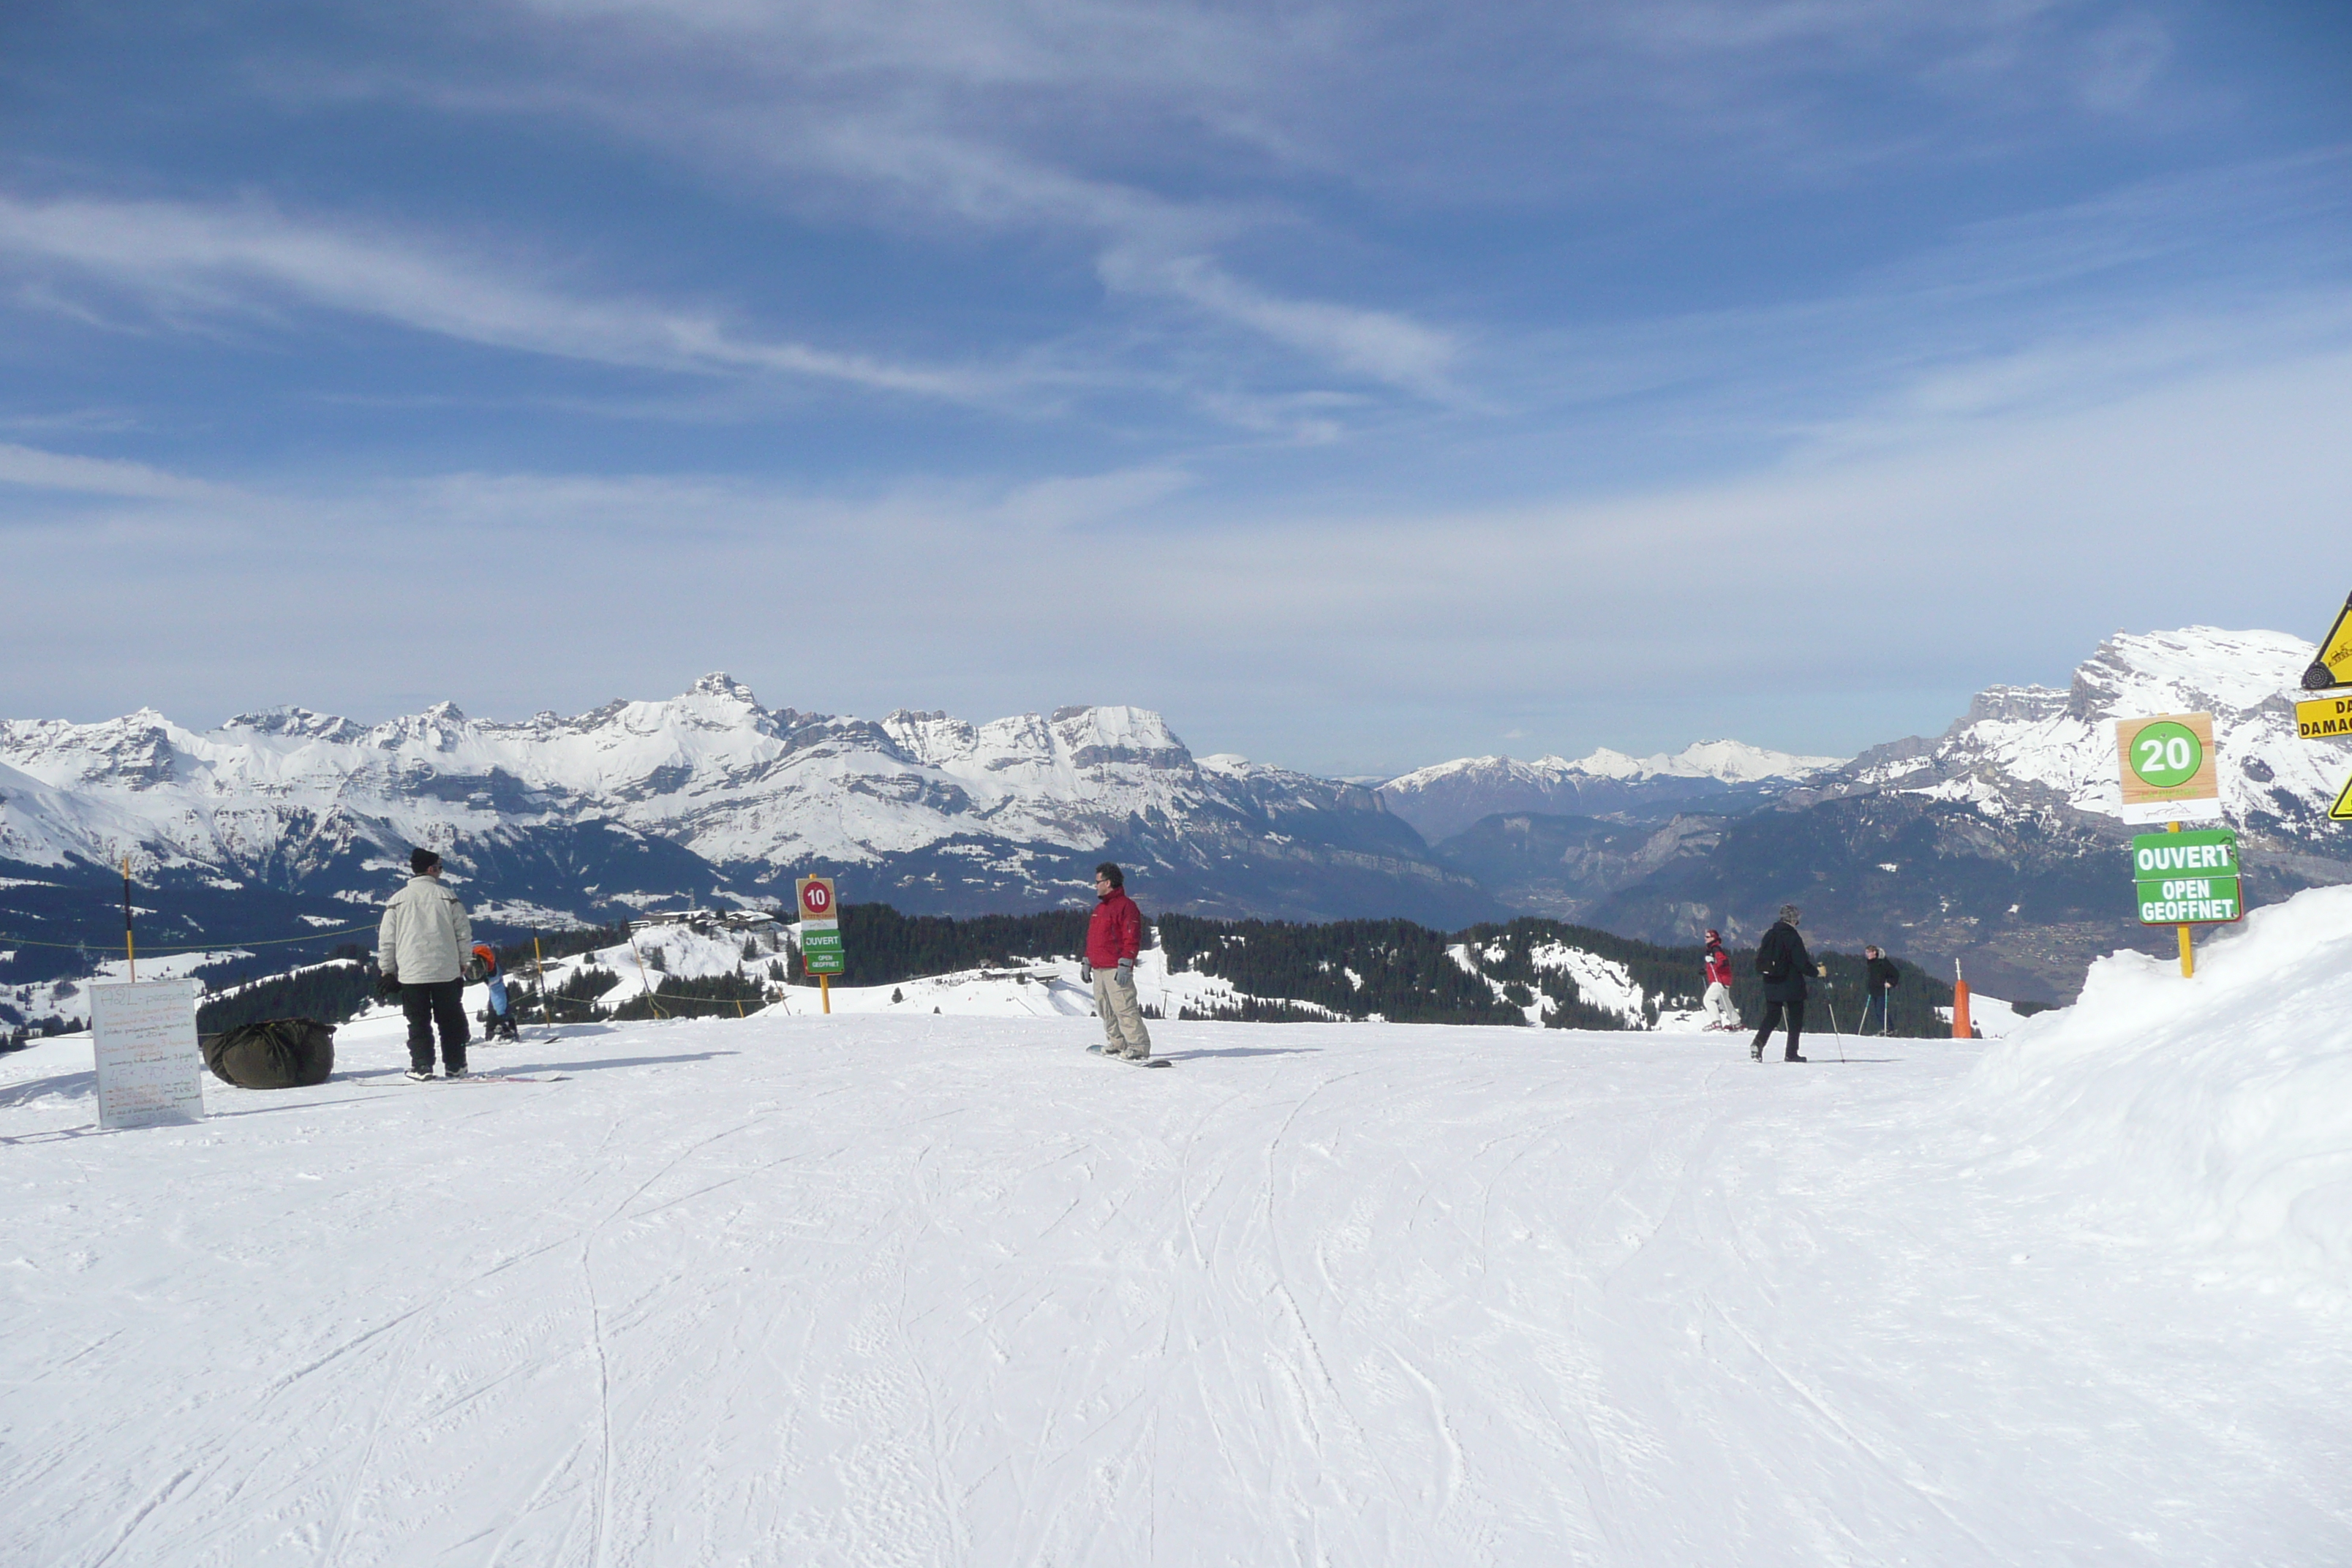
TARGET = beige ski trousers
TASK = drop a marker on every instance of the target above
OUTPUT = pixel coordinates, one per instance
(1121, 1014)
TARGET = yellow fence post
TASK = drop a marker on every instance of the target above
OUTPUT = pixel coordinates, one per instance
(539, 966)
(646, 977)
(2188, 954)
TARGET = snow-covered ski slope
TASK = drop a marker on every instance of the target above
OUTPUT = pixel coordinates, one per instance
(914, 1288)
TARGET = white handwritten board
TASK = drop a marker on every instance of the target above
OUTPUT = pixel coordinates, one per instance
(150, 1072)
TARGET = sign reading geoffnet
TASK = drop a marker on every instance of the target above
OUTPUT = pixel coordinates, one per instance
(150, 1072)
(2187, 878)
(2167, 762)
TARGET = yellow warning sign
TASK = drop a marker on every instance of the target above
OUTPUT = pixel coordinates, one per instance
(2334, 665)
(2327, 718)
(2342, 810)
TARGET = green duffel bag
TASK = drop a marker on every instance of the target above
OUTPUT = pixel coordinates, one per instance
(277, 1053)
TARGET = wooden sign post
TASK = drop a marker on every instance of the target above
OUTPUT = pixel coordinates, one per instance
(2167, 762)
(822, 953)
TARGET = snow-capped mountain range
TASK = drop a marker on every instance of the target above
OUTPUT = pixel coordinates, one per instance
(2020, 748)
(1446, 797)
(1991, 843)
(708, 795)
(712, 771)
(1997, 845)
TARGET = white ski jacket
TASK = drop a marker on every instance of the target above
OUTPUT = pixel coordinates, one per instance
(424, 934)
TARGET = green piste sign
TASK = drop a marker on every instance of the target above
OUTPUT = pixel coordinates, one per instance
(821, 950)
(2187, 878)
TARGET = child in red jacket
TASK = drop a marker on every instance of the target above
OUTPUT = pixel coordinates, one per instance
(1720, 1014)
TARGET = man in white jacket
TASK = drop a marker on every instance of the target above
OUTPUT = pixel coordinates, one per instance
(421, 946)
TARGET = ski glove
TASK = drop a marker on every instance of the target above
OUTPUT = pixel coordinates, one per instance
(388, 983)
(1127, 968)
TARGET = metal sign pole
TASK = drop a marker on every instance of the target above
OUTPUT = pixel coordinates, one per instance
(130, 948)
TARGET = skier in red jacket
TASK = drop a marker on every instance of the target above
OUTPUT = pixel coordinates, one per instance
(1720, 1014)
(1114, 936)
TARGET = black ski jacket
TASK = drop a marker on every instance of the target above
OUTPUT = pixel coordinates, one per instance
(1782, 961)
(1882, 975)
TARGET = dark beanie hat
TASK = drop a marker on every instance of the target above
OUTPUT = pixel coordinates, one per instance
(422, 860)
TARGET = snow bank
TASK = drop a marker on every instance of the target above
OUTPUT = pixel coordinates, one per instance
(2218, 1107)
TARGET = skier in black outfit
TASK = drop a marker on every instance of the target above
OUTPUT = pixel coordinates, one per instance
(1880, 978)
(1782, 961)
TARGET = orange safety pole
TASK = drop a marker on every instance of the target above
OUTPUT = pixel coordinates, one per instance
(1961, 1029)
(824, 990)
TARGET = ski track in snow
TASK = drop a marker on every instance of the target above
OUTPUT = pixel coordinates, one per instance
(924, 1289)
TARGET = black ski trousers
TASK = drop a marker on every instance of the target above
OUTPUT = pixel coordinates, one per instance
(443, 1004)
(1772, 1014)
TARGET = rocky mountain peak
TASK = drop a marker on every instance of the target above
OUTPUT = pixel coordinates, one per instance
(299, 724)
(1103, 736)
(722, 685)
(2193, 669)
(2014, 705)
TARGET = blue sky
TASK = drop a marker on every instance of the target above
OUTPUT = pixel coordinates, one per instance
(1360, 387)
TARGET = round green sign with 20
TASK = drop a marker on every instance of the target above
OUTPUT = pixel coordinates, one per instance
(2166, 754)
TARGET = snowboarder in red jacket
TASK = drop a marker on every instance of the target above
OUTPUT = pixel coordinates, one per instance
(1114, 936)
(1720, 1013)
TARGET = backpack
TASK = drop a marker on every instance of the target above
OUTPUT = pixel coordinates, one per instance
(277, 1053)
(1772, 960)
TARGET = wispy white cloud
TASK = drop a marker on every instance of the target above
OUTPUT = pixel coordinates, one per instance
(1049, 122)
(1168, 140)
(1380, 345)
(37, 470)
(249, 257)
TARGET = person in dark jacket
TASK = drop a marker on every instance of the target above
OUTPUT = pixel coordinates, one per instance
(1880, 977)
(1782, 961)
(1114, 936)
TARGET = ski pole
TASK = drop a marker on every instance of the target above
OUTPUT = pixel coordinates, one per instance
(1828, 995)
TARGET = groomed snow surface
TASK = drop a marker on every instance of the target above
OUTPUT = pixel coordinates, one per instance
(897, 1287)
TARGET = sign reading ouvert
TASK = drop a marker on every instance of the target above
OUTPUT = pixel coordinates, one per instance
(2187, 878)
(150, 1072)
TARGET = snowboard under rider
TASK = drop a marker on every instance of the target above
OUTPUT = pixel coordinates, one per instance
(1720, 1014)
(421, 948)
(1114, 936)
(1880, 977)
(1782, 961)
